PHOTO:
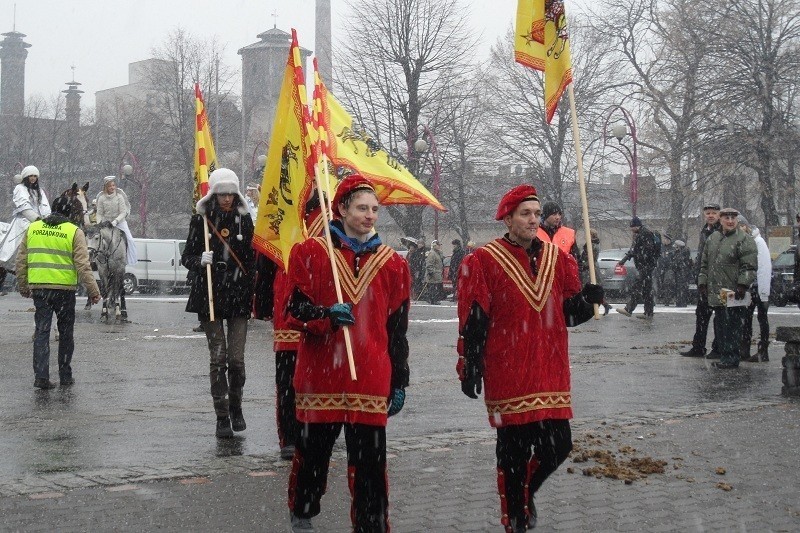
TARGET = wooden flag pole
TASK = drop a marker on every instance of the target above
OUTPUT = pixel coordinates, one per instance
(327, 184)
(576, 138)
(208, 271)
(337, 285)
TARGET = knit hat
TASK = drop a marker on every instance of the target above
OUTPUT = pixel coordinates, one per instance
(346, 187)
(109, 179)
(30, 170)
(668, 237)
(550, 208)
(456, 242)
(223, 181)
(434, 242)
(743, 221)
(636, 222)
(514, 197)
(62, 205)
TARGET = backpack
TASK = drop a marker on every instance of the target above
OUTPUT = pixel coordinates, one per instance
(656, 243)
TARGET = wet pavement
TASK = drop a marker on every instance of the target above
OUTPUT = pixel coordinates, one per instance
(132, 441)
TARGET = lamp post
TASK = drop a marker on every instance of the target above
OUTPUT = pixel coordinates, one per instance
(420, 145)
(17, 173)
(620, 130)
(130, 172)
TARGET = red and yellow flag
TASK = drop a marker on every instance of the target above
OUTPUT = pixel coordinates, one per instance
(541, 42)
(205, 158)
(286, 184)
(349, 147)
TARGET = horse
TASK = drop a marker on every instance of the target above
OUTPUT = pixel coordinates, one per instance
(107, 248)
(79, 206)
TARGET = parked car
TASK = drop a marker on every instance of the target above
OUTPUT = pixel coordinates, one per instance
(159, 267)
(616, 279)
(781, 291)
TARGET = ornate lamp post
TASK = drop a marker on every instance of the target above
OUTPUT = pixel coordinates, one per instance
(620, 131)
(420, 145)
(136, 174)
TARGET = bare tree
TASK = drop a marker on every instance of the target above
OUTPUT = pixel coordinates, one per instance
(397, 61)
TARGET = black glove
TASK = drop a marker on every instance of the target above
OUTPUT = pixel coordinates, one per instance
(341, 314)
(741, 290)
(703, 291)
(472, 384)
(397, 400)
(620, 263)
(593, 294)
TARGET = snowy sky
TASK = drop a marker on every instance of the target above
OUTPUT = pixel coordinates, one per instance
(100, 37)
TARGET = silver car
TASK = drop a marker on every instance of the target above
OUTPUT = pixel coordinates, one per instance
(616, 279)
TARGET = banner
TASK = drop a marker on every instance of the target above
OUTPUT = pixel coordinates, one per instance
(286, 184)
(351, 148)
(541, 42)
(205, 158)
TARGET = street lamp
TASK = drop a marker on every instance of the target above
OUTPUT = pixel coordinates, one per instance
(420, 146)
(17, 173)
(130, 172)
(620, 130)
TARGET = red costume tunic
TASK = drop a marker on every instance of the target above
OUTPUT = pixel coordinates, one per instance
(325, 391)
(526, 361)
(285, 338)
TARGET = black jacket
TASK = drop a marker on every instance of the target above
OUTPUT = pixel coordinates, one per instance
(644, 253)
(232, 284)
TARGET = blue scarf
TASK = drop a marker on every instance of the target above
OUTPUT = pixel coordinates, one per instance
(354, 244)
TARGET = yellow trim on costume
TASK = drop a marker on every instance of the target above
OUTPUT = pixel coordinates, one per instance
(342, 402)
(286, 335)
(315, 229)
(536, 292)
(357, 287)
(531, 402)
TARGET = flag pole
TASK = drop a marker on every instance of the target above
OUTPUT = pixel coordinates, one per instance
(576, 138)
(337, 285)
(208, 271)
(327, 183)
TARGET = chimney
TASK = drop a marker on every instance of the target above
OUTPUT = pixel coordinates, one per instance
(322, 42)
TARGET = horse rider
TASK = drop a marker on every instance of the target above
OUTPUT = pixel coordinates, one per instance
(113, 207)
(52, 260)
(30, 204)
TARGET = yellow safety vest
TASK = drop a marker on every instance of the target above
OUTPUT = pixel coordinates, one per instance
(50, 254)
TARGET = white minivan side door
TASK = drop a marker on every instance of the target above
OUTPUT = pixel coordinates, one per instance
(162, 263)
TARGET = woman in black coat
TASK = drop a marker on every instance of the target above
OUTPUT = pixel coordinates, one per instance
(232, 263)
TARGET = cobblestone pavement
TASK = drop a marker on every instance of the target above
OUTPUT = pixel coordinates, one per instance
(728, 441)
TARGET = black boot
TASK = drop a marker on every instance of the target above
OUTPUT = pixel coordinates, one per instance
(763, 351)
(224, 430)
(237, 419)
(532, 514)
(693, 352)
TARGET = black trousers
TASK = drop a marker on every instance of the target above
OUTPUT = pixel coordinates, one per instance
(526, 456)
(288, 428)
(642, 290)
(763, 323)
(702, 315)
(366, 473)
(61, 303)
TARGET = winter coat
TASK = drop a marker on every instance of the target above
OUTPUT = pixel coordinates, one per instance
(455, 263)
(27, 208)
(729, 259)
(112, 207)
(705, 233)
(434, 267)
(232, 284)
(644, 253)
(416, 264)
(764, 273)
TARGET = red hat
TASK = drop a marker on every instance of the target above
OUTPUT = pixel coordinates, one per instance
(514, 197)
(349, 185)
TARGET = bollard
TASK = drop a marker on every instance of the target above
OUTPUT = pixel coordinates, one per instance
(791, 359)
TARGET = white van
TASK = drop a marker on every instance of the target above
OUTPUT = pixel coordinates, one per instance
(159, 267)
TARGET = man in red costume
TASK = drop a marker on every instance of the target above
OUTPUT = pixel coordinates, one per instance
(516, 297)
(376, 287)
(272, 293)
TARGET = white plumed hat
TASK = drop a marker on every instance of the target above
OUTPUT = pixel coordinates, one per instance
(223, 181)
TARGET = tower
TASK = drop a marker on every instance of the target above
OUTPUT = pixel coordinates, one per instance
(13, 51)
(73, 105)
(323, 46)
(263, 64)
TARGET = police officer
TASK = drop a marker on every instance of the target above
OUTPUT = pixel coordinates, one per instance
(52, 260)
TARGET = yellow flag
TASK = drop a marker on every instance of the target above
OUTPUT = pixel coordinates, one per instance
(286, 183)
(541, 42)
(353, 149)
(205, 158)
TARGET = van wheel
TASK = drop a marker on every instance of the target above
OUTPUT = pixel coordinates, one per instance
(129, 283)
